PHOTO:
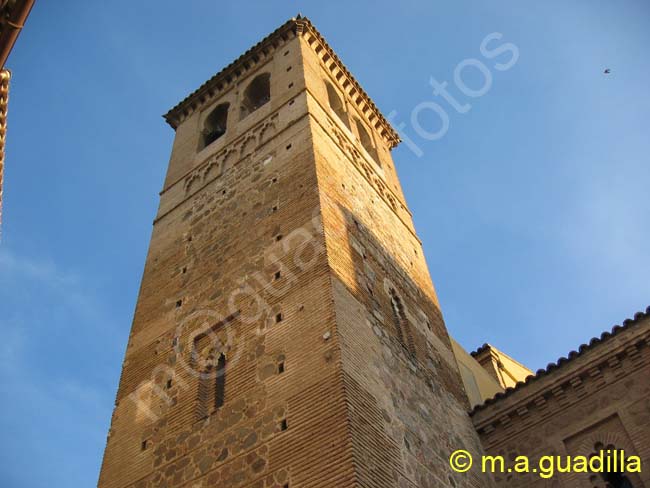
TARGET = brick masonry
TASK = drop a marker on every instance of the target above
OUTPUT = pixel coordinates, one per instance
(597, 396)
(284, 255)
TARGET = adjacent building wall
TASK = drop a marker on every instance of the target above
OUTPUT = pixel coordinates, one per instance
(599, 396)
(501, 367)
(479, 384)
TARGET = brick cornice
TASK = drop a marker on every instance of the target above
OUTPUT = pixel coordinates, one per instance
(567, 386)
(262, 52)
(585, 349)
(349, 84)
(228, 76)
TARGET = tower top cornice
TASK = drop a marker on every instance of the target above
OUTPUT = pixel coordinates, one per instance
(263, 50)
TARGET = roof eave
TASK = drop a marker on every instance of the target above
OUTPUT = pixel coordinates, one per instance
(292, 27)
(583, 349)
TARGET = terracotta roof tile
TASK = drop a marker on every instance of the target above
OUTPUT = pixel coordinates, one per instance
(593, 343)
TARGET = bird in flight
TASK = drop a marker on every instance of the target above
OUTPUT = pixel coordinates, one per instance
(607, 71)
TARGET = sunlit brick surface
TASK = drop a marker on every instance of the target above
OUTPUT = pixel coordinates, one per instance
(339, 371)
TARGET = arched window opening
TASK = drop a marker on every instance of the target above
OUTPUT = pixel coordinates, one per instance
(401, 323)
(212, 386)
(613, 478)
(366, 141)
(336, 104)
(257, 93)
(215, 125)
(617, 480)
(208, 358)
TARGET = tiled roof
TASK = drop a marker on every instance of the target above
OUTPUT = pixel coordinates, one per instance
(593, 343)
(480, 350)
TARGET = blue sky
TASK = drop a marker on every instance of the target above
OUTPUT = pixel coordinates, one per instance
(533, 207)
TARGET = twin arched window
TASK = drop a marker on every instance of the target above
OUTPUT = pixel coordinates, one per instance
(338, 107)
(256, 94)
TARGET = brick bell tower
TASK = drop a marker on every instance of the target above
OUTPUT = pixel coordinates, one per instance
(287, 332)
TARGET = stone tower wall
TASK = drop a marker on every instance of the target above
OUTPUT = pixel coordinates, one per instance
(407, 408)
(231, 217)
(256, 267)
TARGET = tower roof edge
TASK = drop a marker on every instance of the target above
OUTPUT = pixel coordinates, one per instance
(295, 26)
